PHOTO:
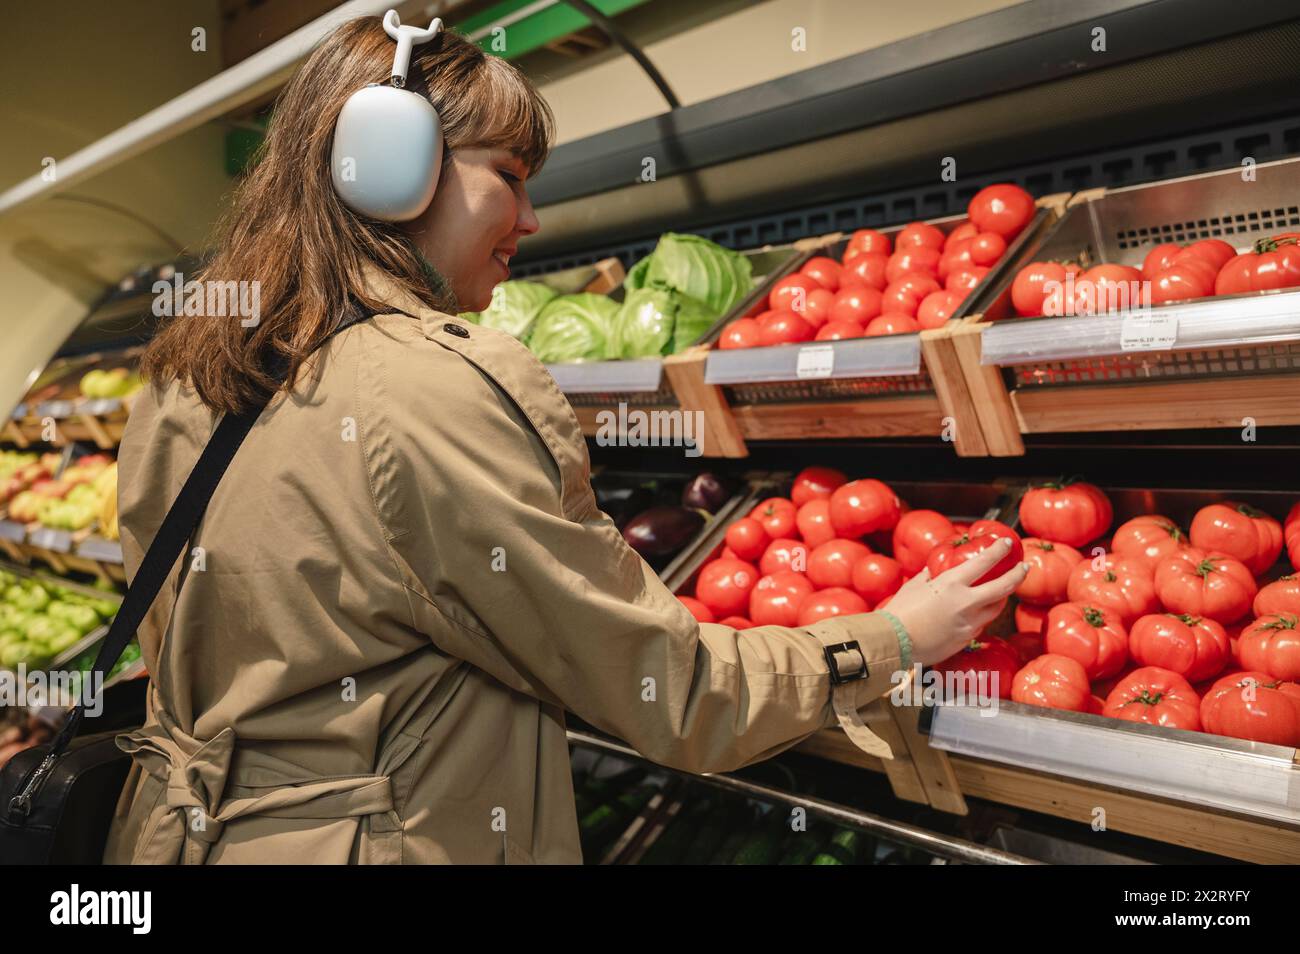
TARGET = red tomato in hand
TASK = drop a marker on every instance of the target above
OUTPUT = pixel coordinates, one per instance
(1057, 682)
(1125, 587)
(858, 303)
(1254, 706)
(988, 662)
(1194, 647)
(1027, 291)
(1159, 258)
(1280, 596)
(776, 514)
(724, 586)
(1274, 263)
(791, 293)
(814, 522)
(1005, 209)
(839, 331)
(1205, 584)
(824, 271)
(775, 599)
(816, 483)
(747, 538)
(919, 235)
(937, 307)
(965, 279)
(863, 506)
(1028, 645)
(831, 564)
(1239, 530)
(1155, 696)
(1093, 636)
(1074, 513)
(877, 577)
(891, 323)
(916, 534)
(741, 333)
(1030, 618)
(1271, 644)
(834, 601)
(1049, 571)
(869, 270)
(982, 535)
(916, 259)
(868, 241)
(697, 609)
(784, 327)
(784, 554)
(1148, 539)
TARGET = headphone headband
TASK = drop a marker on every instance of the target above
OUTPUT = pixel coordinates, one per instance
(406, 37)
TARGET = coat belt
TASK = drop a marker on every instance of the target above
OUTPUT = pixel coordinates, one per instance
(195, 774)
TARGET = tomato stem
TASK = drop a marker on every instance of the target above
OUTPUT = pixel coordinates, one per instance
(1094, 617)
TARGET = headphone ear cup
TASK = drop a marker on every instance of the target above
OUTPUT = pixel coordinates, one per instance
(387, 153)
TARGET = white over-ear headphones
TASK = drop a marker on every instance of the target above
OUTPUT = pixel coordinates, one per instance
(388, 140)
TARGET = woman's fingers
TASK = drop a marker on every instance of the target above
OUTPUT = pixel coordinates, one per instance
(1002, 587)
(967, 572)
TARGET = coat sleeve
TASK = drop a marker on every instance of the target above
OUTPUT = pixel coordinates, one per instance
(491, 513)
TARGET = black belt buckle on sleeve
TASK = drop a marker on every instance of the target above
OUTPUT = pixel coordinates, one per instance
(838, 678)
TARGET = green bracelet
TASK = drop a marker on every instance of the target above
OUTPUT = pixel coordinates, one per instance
(904, 640)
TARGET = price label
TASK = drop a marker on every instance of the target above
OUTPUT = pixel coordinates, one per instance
(55, 409)
(12, 530)
(1148, 332)
(817, 361)
(20, 412)
(100, 405)
(51, 539)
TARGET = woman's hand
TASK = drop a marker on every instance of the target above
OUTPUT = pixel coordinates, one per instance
(942, 614)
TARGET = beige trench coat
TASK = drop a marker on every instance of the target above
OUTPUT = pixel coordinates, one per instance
(401, 584)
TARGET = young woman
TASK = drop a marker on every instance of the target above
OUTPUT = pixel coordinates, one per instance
(403, 581)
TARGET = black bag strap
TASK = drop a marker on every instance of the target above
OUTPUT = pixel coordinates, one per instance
(168, 543)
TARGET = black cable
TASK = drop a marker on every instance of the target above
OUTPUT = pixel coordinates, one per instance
(606, 26)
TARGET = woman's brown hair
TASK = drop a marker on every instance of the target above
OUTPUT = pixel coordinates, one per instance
(288, 231)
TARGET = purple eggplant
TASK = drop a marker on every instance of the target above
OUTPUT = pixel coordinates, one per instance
(706, 491)
(662, 531)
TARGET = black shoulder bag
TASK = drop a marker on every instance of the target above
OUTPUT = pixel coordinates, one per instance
(57, 800)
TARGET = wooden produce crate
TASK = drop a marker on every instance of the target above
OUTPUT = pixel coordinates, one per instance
(1218, 362)
(55, 412)
(907, 385)
(611, 397)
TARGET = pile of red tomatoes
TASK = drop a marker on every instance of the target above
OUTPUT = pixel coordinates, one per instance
(1169, 273)
(1188, 629)
(884, 287)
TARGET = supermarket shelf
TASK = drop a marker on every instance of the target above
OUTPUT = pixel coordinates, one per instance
(854, 358)
(1232, 775)
(589, 377)
(1229, 322)
(944, 846)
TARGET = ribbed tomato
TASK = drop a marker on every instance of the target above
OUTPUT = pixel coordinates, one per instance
(1194, 647)
(877, 577)
(833, 601)
(1205, 584)
(1271, 644)
(1149, 539)
(1215, 251)
(1074, 513)
(1254, 706)
(747, 538)
(813, 521)
(1239, 530)
(1092, 636)
(1027, 645)
(1054, 681)
(831, 564)
(1125, 587)
(1155, 696)
(1049, 571)
(917, 533)
(775, 599)
(1159, 258)
(1280, 596)
(989, 661)
(863, 506)
(1030, 619)
(982, 535)
(724, 586)
(814, 483)
(1291, 534)
(1273, 263)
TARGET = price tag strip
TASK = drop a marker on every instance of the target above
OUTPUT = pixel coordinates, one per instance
(815, 361)
(1148, 332)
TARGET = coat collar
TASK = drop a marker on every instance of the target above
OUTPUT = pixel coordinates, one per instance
(381, 286)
